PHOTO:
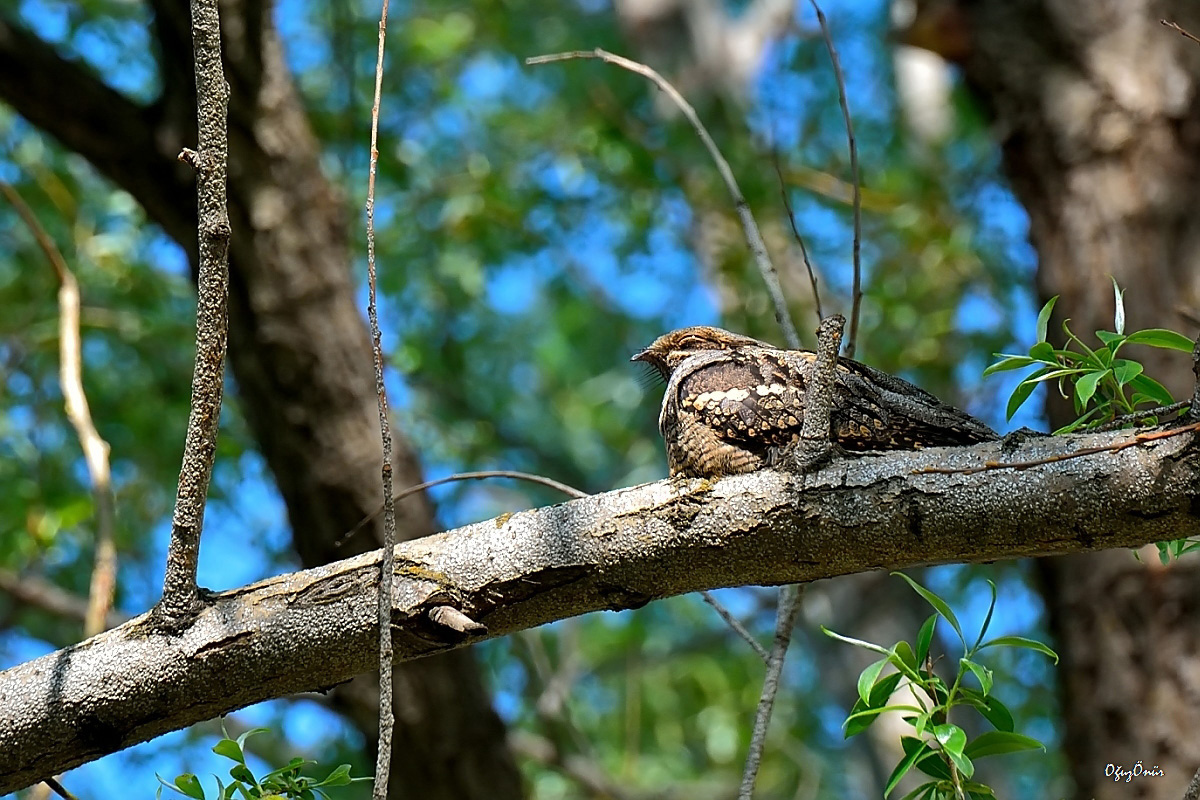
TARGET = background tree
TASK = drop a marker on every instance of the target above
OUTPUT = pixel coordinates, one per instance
(523, 212)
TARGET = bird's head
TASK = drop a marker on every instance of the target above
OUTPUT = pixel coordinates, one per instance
(671, 349)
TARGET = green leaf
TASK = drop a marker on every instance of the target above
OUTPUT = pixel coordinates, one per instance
(339, 777)
(964, 765)
(1008, 362)
(241, 740)
(1081, 422)
(864, 713)
(1043, 318)
(1111, 340)
(951, 737)
(990, 708)
(874, 648)
(1018, 398)
(1043, 352)
(1118, 307)
(1125, 370)
(982, 673)
(1161, 337)
(1152, 389)
(189, 785)
(1021, 641)
(925, 638)
(939, 605)
(230, 749)
(1085, 387)
(905, 764)
(866, 678)
(987, 619)
(905, 659)
(1051, 374)
(931, 763)
(995, 743)
(923, 792)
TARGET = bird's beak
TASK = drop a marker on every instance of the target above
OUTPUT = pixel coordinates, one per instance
(642, 356)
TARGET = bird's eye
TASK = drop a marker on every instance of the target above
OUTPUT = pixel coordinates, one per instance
(694, 343)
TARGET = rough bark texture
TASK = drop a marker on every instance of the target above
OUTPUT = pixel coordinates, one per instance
(617, 550)
(1098, 110)
(299, 349)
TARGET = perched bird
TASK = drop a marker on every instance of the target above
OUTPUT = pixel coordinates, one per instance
(734, 404)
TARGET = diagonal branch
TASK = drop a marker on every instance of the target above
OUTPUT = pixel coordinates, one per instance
(753, 236)
(314, 629)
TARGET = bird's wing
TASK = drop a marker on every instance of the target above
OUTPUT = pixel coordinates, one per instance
(753, 398)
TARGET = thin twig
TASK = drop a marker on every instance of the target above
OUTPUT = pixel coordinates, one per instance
(383, 759)
(1141, 438)
(1139, 416)
(790, 598)
(738, 628)
(1179, 30)
(753, 236)
(59, 789)
(787, 204)
(95, 449)
(180, 593)
(856, 292)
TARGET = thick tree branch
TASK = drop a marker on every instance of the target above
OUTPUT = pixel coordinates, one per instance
(314, 629)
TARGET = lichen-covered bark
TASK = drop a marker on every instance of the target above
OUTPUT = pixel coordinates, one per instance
(1098, 110)
(622, 549)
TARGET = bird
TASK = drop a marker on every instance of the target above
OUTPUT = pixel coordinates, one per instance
(734, 404)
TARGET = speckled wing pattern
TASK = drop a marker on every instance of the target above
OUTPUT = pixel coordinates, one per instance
(733, 411)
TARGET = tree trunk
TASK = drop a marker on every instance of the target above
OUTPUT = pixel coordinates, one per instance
(299, 348)
(1098, 110)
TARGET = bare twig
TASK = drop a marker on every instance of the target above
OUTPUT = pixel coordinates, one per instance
(787, 204)
(790, 598)
(45, 595)
(753, 236)
(59, 789)
(1141, 438)
(1175, 27)
(856, 295)
(180, 593)
(816, 443)
(95, 449)
(1139, 416)
(738, 628)
(383, 759)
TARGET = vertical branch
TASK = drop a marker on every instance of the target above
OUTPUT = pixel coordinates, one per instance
(816, 443)
(383, 757)
(180, 595)
(95, 449)
(753, 236)
(856, 292)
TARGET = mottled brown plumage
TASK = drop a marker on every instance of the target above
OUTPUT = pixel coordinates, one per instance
(734, 404)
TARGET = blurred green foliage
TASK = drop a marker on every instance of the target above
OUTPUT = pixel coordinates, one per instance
(536, 226)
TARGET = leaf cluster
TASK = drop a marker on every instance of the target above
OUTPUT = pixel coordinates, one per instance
(937, 747)
(1101, 385)
(278, 784)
